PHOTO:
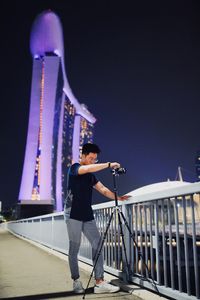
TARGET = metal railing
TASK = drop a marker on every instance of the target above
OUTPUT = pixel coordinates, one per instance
(164, 247)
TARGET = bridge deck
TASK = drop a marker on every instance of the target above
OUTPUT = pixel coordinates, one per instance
(28, 272)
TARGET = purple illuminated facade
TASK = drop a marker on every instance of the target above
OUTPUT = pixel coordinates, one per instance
(58, 123)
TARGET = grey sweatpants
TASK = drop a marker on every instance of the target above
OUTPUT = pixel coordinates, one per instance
(89, 229)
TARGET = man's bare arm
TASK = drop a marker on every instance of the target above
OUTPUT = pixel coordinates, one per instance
(108, 193)
(83, 169)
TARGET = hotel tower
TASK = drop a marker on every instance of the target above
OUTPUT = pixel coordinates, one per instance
(58, 124)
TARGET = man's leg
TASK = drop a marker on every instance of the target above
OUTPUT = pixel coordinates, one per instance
(91, 232)
(74, 229)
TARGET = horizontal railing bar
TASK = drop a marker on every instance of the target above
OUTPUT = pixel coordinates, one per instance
(163, 233)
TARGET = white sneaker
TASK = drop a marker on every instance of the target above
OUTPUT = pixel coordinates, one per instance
(77, 287)
(105, 287)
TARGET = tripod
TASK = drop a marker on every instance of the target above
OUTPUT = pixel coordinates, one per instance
(121, 217)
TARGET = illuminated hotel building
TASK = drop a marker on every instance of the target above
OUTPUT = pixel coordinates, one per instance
(197, 165)
(58, 124)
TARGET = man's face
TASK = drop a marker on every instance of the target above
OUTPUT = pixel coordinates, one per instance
(88, 159)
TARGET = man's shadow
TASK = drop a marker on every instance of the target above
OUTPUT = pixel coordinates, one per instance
(48, 296)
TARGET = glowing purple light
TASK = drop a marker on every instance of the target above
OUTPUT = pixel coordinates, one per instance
(46, 44)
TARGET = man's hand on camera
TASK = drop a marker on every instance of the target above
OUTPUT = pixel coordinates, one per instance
(114, 165)
(124, 197)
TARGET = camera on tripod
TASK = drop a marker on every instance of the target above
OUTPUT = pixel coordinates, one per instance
(118, 171)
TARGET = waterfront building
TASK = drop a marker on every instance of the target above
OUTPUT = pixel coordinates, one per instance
(197, 165)
(58, 123)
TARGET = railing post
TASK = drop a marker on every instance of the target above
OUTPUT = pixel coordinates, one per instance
(157, 242)
(170, 244)
(127, 239)
(186, 248)
(178, 245)
(52, 230)
(196, 270)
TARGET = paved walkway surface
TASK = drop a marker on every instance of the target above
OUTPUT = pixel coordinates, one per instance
(29, 272)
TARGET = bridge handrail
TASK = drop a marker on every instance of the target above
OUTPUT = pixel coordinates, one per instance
(165, 226)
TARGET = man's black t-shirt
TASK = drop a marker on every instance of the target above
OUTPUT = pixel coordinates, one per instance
(79, 194)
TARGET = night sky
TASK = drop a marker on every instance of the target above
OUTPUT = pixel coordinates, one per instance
(137, 68)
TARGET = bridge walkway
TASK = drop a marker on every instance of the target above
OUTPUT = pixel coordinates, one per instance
(29, 272)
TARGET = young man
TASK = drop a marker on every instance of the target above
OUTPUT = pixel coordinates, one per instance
(79, 215)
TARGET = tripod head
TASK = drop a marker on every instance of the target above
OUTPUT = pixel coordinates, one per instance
(118, 171)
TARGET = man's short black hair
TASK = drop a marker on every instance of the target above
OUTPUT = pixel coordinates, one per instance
(90, 148)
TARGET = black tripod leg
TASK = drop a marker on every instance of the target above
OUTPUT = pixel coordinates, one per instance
(139, 252)
(131, 235)
(123, 246)
(99, 252)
